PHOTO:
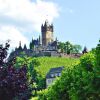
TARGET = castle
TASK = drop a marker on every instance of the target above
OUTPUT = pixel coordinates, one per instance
(45, 45)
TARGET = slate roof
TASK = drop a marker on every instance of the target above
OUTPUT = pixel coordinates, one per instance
(53, 71)
(54, 43)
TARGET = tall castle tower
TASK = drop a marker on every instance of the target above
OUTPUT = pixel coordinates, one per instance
(47, 33)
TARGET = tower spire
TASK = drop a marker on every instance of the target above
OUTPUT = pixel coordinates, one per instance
(25, 47)
(20, 47)
(20, 43)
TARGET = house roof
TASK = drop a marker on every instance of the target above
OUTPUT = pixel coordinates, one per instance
(54, 70)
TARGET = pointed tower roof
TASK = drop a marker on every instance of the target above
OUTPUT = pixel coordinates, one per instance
(25, 47)
(46, 23)
(20, 47)
(85, 50)
(39, 39)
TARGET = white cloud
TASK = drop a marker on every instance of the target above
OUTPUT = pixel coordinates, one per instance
(11, 33)
(18, 17)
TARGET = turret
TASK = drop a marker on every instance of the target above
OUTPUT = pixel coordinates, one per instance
(20, 47)
(47, 33)
(85, 50)
(25, 47)
(39, 40)
(32, 44)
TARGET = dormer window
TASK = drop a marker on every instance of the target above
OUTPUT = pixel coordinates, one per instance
(59, 74)
(56, 74)
(52, 75)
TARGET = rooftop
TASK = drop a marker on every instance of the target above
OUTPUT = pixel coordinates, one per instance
(54, 70)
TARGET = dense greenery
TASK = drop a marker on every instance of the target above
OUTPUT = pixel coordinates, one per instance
(69, 48)
(38, 67)
(14, 84)
(78, 82)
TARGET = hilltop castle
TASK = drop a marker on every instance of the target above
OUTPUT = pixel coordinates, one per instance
(46, 40)
(45, 45)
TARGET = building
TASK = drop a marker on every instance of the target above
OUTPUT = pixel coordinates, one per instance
(45, 45)
(47, 33)
(52, 74)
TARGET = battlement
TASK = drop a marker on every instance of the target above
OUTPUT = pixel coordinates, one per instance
(47, 27)
(47, 33)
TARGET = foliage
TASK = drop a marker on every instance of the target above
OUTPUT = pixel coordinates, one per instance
(98, 54)
(79, 81)
(69, 48)
(76, 49)
(38, 67)
(61, 46)
(88, 61)
(32, 74)
(42, 94)
(31, 63)
(13, 81)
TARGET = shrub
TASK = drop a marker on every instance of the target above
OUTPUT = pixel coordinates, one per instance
(14, 84)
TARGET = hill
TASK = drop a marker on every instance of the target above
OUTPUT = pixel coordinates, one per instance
(46, 63)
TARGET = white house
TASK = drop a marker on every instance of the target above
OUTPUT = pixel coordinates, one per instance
(52, 74)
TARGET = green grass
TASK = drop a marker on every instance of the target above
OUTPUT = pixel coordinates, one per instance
(46, 63)
(34, 98)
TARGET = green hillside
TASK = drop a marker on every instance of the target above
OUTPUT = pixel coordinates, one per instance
(46, 63)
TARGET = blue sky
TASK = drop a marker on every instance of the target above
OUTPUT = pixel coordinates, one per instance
(77, 21)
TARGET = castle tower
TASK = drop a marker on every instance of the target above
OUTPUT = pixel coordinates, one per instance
(39, 40)
(20, 46)
(47, 33)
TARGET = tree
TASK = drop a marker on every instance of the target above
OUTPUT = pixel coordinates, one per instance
(80, 81)
(76, 49)
(98, 54)
(13, 81)
(61, 46)
(68, 47)
(32, 73)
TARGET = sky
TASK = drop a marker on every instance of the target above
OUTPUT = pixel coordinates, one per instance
(77, 21)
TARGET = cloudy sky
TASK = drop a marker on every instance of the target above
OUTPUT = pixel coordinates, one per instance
(77, 21)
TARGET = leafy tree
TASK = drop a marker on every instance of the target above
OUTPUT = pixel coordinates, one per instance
(61, 46)
(13, 81)
(68, 47)
(76, 49)
(98, 54)
(88, 61)
(78, 82)
(32, 74)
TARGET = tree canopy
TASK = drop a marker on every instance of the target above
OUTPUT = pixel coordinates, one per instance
(14, 84)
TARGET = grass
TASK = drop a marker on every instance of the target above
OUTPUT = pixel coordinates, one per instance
(46, 63)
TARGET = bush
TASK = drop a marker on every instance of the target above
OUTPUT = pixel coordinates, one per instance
(78, 82)
(14, 84)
